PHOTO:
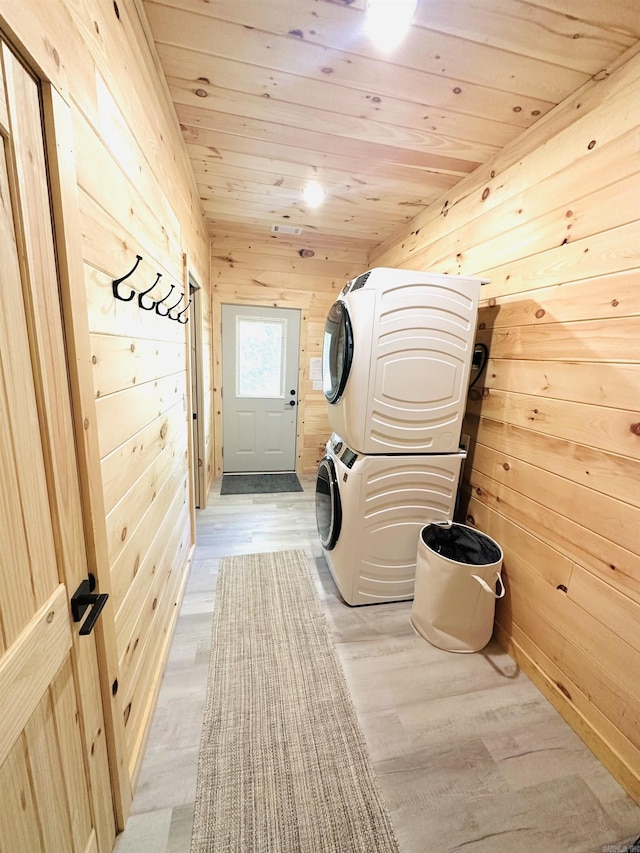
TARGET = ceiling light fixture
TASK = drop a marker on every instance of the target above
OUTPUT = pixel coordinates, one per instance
(313, 194)
(388, 21)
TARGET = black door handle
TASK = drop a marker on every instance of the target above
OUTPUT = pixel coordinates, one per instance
(83, 598)
(292, 402)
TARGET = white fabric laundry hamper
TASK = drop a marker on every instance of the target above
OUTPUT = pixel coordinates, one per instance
(457, 575)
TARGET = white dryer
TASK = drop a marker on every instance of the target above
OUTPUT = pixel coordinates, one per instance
(370, 511)
(396, 360)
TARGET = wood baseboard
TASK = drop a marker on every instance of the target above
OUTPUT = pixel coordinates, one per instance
(137, 755)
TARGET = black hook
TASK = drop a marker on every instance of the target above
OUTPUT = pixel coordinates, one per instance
(186, 319)
(167, 313)
(170, 315)
(118, 281)
(160, 301)
(144, 292)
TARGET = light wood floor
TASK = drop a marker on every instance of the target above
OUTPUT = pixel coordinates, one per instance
(469, 755)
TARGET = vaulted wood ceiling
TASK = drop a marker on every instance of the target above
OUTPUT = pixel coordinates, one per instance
(272, 94)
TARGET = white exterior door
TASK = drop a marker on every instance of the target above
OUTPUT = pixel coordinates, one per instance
(260, 349)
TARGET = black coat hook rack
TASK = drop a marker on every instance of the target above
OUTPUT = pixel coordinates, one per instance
(150, 304)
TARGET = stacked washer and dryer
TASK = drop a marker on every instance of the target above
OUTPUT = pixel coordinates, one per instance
(397, 353)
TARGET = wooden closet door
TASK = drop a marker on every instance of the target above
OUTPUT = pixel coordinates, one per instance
(54, 777)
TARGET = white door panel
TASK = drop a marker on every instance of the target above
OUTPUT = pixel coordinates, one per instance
(260, 349)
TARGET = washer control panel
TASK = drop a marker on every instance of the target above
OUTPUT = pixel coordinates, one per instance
(348, 458)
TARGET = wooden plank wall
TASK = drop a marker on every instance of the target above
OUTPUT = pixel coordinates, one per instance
(136, 195)
(268, 270)
(555, 461)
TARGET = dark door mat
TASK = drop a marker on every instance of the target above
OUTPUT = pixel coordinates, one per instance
(257, 484)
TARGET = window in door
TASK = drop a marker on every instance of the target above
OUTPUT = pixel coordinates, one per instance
(260, 357)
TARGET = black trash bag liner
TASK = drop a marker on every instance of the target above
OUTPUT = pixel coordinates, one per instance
(462, 544)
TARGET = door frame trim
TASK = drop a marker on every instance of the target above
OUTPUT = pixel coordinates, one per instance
(197, 465)
(59, 144)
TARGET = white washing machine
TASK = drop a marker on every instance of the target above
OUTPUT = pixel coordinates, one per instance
(370, 511)
(396, 360)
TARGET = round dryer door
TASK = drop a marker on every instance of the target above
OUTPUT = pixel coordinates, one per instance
(328, 506)
(337, 351)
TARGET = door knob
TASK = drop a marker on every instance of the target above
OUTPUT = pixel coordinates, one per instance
(292, 402)
(83, 598)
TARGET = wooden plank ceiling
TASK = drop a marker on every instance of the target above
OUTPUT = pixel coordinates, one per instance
(272, 94)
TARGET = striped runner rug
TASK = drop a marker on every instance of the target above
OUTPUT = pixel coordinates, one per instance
(283, 764)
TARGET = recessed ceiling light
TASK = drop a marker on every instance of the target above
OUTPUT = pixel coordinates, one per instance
(388, 21)
(313, 194)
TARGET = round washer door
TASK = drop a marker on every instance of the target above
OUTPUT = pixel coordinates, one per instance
(328, 505)
(337, 351)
